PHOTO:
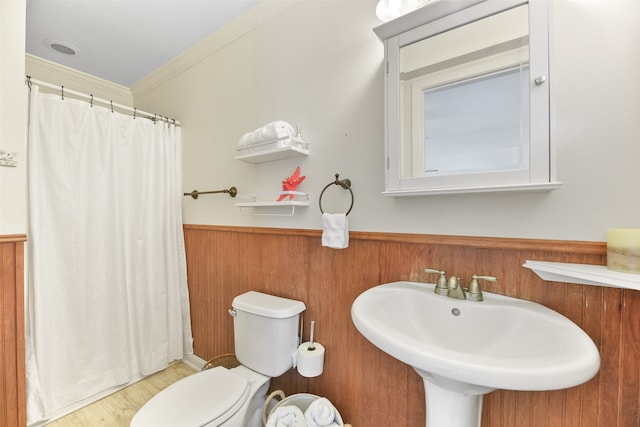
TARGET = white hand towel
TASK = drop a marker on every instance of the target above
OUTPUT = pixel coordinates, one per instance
(321, 413)
(286, 416)
(335, 231)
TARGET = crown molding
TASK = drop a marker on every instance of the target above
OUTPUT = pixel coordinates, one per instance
(56, 74)
(216, 41)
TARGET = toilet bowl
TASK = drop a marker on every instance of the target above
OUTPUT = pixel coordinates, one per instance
(265, 339)
(215, 397)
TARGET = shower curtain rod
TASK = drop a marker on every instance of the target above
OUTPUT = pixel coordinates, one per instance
(92, 99)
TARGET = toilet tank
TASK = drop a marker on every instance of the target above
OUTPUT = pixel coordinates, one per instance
(265, 329)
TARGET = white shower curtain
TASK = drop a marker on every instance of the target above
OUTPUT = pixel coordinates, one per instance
(108, 299)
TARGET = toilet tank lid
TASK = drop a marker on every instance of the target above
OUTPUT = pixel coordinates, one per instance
(267, 305)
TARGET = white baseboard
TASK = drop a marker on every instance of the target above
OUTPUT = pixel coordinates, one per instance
(193, 361)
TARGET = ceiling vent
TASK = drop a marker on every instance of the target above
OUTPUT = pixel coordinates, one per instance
(61, 47)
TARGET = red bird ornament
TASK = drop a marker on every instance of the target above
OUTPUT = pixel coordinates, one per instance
(290, 184)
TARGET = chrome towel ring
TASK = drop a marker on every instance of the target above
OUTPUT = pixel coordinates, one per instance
(344, 183)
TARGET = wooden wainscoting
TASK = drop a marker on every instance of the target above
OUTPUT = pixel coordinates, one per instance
(370, 388)
(12, 370)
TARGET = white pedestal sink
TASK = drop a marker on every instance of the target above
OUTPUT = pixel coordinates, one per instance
(458, 404)
(465, 349)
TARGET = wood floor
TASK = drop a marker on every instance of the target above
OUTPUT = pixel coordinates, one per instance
(118, 409)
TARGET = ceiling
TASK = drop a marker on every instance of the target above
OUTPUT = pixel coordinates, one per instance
(123, 40)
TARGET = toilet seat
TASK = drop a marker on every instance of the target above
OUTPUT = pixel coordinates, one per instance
(206, 398)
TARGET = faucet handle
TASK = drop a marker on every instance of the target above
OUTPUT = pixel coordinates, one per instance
(441, 286)
(488, 278)
(474, 293)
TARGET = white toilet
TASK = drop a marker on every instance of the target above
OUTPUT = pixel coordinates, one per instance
(266, 337)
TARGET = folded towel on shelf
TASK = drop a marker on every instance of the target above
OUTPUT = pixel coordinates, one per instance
(286, 416)
(321, 413)
(335, 230)
(273, 131)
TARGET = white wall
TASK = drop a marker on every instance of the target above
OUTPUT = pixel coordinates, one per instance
(318, 64)
(13, 121)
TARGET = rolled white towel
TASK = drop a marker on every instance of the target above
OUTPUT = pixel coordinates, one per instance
(321, 413)
(269, 132)
(286, 416)
(280, 129)
(245, 139)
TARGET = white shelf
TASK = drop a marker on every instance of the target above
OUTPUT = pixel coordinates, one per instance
(274, 154)
(583, 274)
(282, 148)
(267, 204)
(547, 186)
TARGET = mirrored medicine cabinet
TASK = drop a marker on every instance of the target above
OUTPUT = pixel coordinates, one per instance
(467, 98)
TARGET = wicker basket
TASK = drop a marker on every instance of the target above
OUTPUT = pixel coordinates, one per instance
(301, 400)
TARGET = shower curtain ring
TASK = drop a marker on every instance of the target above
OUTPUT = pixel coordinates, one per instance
(91, 101)
(111, 106)
(63, 93)
(135, 110)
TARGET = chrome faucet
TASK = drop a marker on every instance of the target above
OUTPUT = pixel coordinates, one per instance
(451, 288)
(455, 289)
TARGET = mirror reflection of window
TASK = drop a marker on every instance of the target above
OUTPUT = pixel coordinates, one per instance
(478, 125)
(465, 98)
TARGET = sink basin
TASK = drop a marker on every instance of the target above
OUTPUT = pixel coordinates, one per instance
(465, 349)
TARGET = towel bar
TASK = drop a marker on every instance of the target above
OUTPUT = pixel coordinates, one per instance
(195, 193)
(344, 183)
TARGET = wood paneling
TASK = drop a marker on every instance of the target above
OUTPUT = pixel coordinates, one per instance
(12, 371)
(370, 388)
